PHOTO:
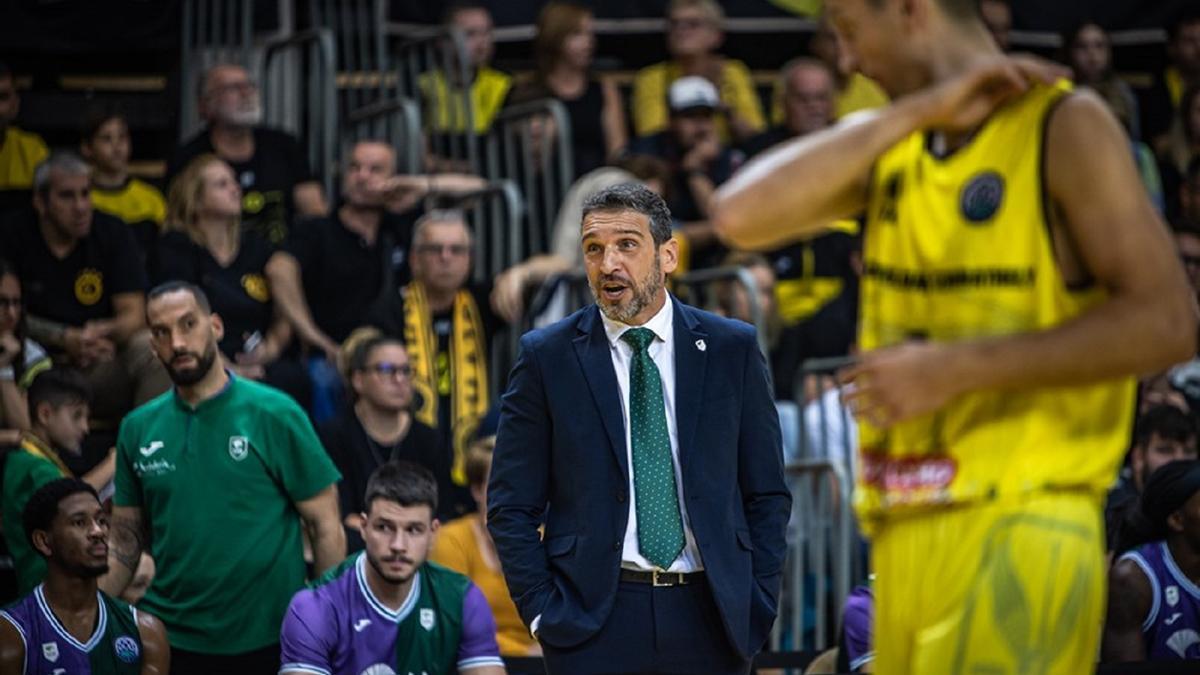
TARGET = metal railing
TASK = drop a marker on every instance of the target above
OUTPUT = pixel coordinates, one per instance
(431, 67)
(686, 284)
(300, 67)
(530, 144)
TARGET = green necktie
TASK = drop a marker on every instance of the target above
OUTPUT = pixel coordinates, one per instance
(660, 529)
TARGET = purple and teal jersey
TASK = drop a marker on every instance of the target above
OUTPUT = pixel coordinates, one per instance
(340, 628)
(1172, 627)
(115, 647)
(856, 624)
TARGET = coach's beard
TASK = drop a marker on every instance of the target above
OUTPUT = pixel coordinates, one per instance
(643, 294)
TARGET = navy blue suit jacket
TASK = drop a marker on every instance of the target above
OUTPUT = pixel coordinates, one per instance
(561, 458)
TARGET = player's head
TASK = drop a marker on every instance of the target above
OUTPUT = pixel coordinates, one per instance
(891, 41)
(627, 250)
(183, 331)
(1162, 434)
(67, 525)
(1171, 502)
(58, 408)
(400, 502)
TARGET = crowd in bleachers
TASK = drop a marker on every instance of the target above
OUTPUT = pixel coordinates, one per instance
(364, 308)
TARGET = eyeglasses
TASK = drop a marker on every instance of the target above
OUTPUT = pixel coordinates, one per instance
(388, 369)
(7, 302)
(455, 250)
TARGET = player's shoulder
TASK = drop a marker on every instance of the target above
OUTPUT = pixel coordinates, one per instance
(1073, 115)
(256, 398)
(149, 410)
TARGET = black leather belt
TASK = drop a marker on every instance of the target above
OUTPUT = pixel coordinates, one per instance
(661, 579)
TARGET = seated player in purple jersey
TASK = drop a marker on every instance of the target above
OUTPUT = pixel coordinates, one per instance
(1154, 587)
(856, 648)
(67, 625)
(386, 609)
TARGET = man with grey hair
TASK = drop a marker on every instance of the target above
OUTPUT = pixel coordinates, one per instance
(807, 90)
(447, 323)
(642, 433)
(277, 182)
(84, 287)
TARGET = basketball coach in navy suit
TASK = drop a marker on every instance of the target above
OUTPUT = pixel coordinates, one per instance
(643, 433)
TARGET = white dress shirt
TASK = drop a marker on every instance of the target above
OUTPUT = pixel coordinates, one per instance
(662, 352)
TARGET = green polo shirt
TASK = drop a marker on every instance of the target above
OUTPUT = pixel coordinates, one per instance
(24, 473)
(217, 485)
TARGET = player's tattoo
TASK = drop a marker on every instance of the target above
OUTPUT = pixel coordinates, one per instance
(127, 541)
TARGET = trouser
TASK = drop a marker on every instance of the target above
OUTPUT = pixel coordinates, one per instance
(674, 630)
(1012, 585)
(263, 661)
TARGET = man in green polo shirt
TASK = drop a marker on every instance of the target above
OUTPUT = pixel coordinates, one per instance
(218, 474)
(58, 412)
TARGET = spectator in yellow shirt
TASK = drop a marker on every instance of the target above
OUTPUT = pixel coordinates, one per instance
(693, 36)
(104, 143)
(465, 546)
(20, 151)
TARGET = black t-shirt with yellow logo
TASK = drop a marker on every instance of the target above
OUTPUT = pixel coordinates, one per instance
(80, 287)
(237, 292)
(267, 179)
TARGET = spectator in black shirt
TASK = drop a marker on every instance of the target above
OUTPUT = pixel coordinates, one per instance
(808, 95)
(332, 269)
(205, 245)
(272, 170)
(84, 287)
(379, 427)
(699, 163)
(447, 324)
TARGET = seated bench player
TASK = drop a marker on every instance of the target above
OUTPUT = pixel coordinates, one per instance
(386, 609)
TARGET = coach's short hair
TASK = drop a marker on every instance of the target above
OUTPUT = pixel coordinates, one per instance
(634, 197)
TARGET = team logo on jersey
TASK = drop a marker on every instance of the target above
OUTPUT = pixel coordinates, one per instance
(256, 287)
(427, 619)
(982, 196)
(1172, 594)
(89, 286)
(50, 651)
(239, 447)
(126, 649)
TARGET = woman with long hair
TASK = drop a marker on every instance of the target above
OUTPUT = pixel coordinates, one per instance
(21, 359)
(564, 50)
(205, 245)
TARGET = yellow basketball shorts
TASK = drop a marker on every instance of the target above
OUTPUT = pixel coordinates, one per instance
(1008, 586)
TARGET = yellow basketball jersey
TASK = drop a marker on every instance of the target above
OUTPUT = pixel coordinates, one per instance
(959, 248)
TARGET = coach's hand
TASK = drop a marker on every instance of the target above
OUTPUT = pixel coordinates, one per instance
(964, 102)
(888, 386)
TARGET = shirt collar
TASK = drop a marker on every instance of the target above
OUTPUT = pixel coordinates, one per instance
(660, 324)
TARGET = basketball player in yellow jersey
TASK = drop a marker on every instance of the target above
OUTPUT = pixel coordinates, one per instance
(1016, 278)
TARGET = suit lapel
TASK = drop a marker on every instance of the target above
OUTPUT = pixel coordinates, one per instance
(591, 346)
(690, 363)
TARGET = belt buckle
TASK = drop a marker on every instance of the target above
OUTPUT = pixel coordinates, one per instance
(666, 579)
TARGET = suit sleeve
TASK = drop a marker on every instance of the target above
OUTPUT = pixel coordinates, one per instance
(766, 500)
(518, 488)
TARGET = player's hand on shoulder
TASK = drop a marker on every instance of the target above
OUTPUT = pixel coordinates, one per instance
(965, 101)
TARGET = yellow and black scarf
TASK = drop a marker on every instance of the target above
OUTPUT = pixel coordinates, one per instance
(468, 367)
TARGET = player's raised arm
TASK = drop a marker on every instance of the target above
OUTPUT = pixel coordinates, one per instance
(797, 189)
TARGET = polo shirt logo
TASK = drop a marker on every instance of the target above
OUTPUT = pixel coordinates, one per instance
(89, 286)
(239, 447)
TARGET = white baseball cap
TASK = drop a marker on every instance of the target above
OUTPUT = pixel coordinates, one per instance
(692, 92)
